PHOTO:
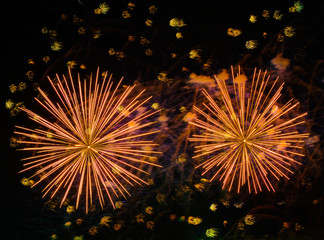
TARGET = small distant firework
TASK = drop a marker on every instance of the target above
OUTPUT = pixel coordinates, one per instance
(248, 136)
(92, 143)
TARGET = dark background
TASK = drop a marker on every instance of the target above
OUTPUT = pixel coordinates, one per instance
(21, 39)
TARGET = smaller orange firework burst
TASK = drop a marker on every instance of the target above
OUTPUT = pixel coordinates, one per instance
(248, 138)
(92, 143)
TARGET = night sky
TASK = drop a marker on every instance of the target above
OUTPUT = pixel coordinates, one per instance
(24, 214)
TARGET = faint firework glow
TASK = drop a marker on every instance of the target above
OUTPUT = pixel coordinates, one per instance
(93, 143)
(248, 137)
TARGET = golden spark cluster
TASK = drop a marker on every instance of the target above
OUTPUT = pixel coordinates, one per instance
(247, 136)
(92, 142)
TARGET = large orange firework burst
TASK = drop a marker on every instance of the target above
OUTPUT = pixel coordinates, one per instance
(93, 143)
(248, 138)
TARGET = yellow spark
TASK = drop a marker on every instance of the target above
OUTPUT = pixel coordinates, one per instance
(179, 35)
(149, 22)
(105, 220)
(13, 88)
(266, 13)
(277, 15)
(126, 14)
(131, 6)
(249, 219)
(280, 37)
(149, 52)
(30, 75)
(253, 18)
(212, 232)
(31, 61)
(289, 31)
(81, 30)
(102, 9)
(234, 32)
(194, 54)
(71, 64)
(150, 225)
(120, 55)
(111, 51)
(46, 59)
(10, 104)
(97, 34)
(176, 22)
(140, 218)
(44, 30)
(149, 210)
(251, 44)
(56, 46)
(213, 207)
(152, 9)
(155, 106)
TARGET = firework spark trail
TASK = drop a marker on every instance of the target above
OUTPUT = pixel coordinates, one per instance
(245, 140)
(94, 144)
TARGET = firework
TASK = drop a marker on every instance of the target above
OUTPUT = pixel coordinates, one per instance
(248, 138)
(93, 141)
